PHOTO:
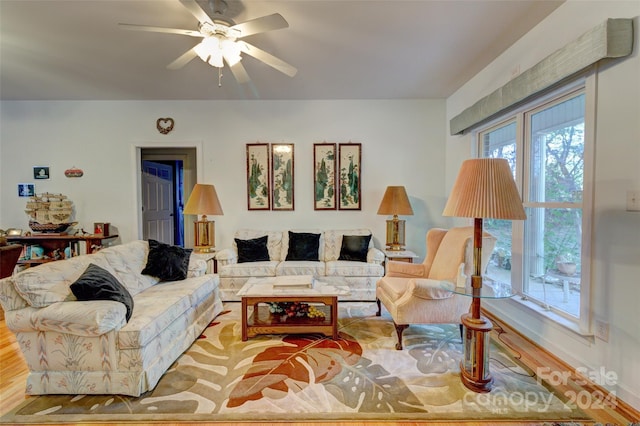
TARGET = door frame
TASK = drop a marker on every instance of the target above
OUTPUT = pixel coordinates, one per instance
(136, 153)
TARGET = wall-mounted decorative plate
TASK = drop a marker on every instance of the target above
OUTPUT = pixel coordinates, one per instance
(73, 172)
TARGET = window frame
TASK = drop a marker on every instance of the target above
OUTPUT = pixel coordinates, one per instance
(583, 84)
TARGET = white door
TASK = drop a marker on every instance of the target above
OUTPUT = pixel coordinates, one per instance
(157, 202)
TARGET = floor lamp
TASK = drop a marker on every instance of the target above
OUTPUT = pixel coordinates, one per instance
(395, 202)
(203, 201)
(484, 188)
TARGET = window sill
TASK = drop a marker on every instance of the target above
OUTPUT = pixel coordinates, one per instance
(553, 317)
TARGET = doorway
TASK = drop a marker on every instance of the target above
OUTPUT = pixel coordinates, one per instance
(168, 174)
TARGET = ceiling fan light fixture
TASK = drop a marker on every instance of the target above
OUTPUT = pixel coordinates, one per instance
(208, 47)
(213, 49)
(230, 51)
(222, 39)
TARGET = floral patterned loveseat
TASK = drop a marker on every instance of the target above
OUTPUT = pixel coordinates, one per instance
(89, 347)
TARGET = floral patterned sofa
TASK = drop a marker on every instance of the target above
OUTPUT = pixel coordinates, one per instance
(347, 255)
(89, 347)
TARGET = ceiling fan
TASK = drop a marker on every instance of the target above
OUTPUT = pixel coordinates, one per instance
(222, 40)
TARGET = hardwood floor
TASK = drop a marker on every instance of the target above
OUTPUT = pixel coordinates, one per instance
(13, 373)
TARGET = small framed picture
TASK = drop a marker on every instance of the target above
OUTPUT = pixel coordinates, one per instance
(41, 172)
(349, 159)
(26, 189)
(258, 181)
(324, 176)
(282, 164)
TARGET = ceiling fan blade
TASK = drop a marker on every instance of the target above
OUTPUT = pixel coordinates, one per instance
(183, 60)
(260, 25)
(134, 27)
(267, 58)
(240, 73)
(196, 10)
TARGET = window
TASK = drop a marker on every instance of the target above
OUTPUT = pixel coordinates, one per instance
(543, 256)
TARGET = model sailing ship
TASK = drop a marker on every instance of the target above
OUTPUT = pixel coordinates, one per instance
(49, 212)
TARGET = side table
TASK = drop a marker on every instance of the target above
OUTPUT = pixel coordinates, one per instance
(400, 255)
(474, 367)
(210, 258)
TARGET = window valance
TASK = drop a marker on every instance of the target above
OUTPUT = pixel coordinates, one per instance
(611, 39)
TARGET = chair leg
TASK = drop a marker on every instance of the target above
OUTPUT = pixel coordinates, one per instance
(379, 308)
(399, 329)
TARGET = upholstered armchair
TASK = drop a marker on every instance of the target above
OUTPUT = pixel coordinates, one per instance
(417, 293)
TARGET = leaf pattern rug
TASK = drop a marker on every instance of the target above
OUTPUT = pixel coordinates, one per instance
(360, 376)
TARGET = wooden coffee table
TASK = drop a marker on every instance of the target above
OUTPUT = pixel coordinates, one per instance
(257, 318)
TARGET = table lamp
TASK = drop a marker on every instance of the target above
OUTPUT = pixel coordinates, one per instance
(484, 188)
(395, 202)
(203, 201)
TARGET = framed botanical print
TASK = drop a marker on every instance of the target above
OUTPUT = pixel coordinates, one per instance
(324, 176)
(349, 157)
(258, 179)
(282, 176)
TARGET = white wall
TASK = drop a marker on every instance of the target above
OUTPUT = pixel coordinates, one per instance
(616, 232)
(402, 144)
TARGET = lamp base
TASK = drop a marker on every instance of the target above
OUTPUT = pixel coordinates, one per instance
(395, 234)
(395, 247)
(474, 368)
(204, 236)
(204, 249)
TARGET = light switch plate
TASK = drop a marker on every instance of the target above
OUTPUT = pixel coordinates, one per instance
(633, 201)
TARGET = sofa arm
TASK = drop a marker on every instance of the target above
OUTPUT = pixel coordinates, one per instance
(226, 256)
(86, 318)
(375, 255)
(426, 288)
(197, 267)
(405, 269)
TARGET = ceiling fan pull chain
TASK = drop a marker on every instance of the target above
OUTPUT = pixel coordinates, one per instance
(219, 77)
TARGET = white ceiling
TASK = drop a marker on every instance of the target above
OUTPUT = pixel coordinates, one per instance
(343, 49)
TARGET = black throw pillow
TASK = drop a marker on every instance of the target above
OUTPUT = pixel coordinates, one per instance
(167, 262)
(254, 250)
(97, 283)
(303, 246)
(355, 247)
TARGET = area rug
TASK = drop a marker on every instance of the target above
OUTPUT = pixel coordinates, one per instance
(359, 377)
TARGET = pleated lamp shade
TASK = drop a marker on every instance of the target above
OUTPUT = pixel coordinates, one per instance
(485, 188)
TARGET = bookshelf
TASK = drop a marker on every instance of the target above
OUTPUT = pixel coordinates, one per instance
(52, 242)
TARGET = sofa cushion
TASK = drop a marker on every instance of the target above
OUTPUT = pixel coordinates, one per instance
(355, 247)
(167, 262)
(347, 268)
(127, 261)
(303, 246)
(252, 269)
(158, 307)
(304, 267)
(253, 250)
(274, 240)
(49, 283)
(97, 283)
